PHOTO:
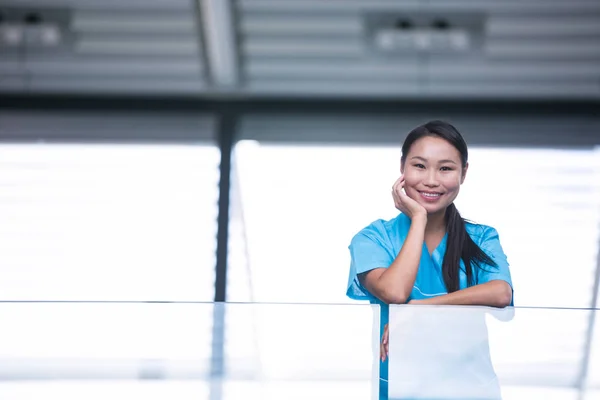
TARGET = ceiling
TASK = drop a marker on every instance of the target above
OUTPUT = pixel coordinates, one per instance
(450, 49)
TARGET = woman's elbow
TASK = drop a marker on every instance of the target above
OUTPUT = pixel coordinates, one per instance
(504, 295)
(386, 292)
(393, 297)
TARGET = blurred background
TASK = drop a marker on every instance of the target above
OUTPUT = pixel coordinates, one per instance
(228, 150)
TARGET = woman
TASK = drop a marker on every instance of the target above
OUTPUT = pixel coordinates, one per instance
(419, 257)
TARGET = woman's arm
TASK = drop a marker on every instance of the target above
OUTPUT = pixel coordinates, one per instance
(495, 293)
(394, 284)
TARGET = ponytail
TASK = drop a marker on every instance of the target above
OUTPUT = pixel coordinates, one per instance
(461, 246)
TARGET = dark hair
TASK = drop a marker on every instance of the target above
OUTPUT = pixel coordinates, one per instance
(459, 245)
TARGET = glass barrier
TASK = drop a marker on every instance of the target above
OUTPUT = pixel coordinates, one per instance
(294, 351)
(451, 352)
(187, 351)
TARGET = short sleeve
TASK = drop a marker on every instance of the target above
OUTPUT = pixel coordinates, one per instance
(490, 244)
(368, 250)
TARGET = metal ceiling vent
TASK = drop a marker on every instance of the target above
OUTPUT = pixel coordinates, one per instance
(420, 32)
(30, 29)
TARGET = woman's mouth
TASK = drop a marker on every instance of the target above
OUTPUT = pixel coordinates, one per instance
(430, 196)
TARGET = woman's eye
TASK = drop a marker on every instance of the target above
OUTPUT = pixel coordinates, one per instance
(420, 166)
(446, 169)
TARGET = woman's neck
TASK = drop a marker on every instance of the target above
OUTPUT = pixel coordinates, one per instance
(436, 222)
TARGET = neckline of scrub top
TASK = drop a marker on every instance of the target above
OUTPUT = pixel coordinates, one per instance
(443, 241)
(437, 254)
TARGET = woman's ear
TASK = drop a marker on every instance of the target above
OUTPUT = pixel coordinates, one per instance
(464, 173)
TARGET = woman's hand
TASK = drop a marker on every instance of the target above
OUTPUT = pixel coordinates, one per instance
(385, 346)
(404, 203)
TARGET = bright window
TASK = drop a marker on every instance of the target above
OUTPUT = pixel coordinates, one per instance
(108, 222)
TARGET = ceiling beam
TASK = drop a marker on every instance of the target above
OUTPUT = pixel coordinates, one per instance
(218, 29)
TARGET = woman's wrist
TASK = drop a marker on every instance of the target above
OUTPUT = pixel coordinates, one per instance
(419, 218)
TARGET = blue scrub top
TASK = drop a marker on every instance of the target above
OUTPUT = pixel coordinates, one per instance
(377, 245)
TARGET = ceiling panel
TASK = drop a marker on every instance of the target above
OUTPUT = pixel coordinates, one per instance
(537, 49)
(317, 48)
(115, 47)
(12, 84)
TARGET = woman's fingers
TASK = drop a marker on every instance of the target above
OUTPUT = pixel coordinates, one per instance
(397, 191)
(394, 194)
(398, 182)
(384, 348)
(384, 339)
(401, 190)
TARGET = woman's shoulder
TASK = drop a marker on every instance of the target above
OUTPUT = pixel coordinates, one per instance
(480, 231)
(382, 228)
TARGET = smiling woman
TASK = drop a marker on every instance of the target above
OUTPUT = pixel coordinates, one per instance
(436, 181)
(428, 254)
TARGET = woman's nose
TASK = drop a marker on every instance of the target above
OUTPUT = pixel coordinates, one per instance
(431, 179)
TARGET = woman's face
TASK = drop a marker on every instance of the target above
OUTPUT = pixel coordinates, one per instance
(433, 173)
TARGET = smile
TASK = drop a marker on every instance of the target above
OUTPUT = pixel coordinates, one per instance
(430, 195)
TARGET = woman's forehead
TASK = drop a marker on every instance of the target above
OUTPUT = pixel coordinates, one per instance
(433, 148)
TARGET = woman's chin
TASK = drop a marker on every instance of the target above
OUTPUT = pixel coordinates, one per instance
(433, 209)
